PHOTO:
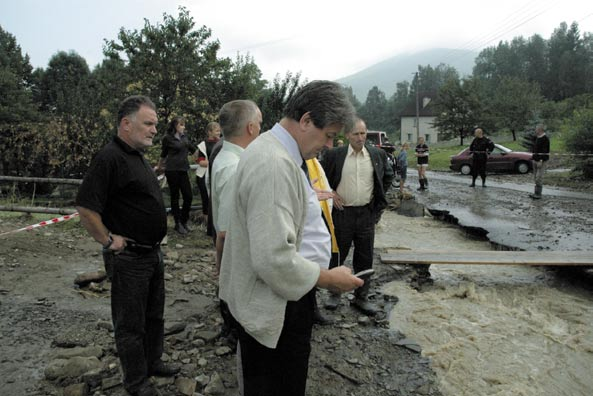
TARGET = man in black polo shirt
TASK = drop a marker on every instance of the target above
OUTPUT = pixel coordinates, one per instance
(121, 206)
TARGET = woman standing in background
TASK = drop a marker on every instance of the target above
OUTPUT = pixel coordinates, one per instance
(176, 147)
(202, 155)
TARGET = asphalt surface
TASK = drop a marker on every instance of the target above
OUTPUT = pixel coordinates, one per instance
(561, 221)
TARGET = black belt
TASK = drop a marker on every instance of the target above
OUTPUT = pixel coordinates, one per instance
(140, 247)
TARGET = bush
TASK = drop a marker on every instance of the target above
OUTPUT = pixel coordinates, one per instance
(579, 139)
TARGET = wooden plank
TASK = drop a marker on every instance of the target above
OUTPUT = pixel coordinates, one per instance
(493, 257)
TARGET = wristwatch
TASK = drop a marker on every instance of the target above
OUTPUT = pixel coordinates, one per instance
(109, 242)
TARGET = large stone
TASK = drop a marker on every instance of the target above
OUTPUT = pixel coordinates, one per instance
(111, 382)
(71, 368)
(174, 328)
(411, 208)
(215, 386)
(76, 390)
(207, 336)
(186, 386)
(67, 353)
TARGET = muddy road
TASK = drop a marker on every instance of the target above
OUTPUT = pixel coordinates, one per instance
(561, 221)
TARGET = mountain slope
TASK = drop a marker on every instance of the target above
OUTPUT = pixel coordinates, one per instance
(399, 68)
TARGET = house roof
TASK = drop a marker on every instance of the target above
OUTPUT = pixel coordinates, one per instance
(426, 111)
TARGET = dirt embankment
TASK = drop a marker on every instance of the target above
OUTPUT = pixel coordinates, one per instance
(52, 332)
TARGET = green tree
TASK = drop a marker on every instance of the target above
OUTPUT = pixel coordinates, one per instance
(276, 95)
(15, 82)
(459, 108)
(65, 85)
(516, 102)
(579, 139)
(176, 65)
(374, 110)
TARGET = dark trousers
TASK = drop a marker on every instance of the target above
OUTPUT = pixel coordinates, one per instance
(355, 224)
(137, 306)
(281, 371)
(178, 182)
(479, 167)
(201, 182)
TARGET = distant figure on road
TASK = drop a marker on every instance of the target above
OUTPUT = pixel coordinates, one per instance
(480, 148)
(422, 157)
(541, 155)
(402, 162)
(121, 206)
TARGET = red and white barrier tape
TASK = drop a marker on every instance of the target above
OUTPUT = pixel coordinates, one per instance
(43, 223)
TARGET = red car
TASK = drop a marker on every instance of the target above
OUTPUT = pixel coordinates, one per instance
(501, 159)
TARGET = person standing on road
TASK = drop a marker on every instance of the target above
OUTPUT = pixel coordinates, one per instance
(360, 175)
(402, 162)
(267, 284)
(422, 158)
(480, 149)
(121, 206)
(175, 149)
(541, 155)
(202, 156)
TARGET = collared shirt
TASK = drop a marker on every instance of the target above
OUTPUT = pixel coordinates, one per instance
(121, 186)
(356, 184)
(316, 242)
(223, 173)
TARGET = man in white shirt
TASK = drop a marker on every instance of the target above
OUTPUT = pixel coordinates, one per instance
(240, 121)
(275, 222)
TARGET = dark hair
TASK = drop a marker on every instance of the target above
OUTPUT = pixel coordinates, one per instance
(325, 101)
(132, 104)
(173, 125)
(234, 115)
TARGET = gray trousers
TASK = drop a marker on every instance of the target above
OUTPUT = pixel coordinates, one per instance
(539, 168)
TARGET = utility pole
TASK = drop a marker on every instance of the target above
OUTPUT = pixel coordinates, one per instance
(417, 108)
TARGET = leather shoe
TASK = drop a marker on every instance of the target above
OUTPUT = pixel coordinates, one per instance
(160, 369)
(364, 306)
(320, 319)
(332, 302)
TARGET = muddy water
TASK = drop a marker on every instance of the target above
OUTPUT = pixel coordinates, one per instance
(492, 330)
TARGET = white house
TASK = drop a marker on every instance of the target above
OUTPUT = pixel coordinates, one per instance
(426, 116)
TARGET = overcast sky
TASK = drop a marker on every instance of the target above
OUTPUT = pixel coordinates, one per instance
(324, 39)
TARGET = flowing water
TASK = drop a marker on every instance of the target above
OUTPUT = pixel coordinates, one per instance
(492, 330)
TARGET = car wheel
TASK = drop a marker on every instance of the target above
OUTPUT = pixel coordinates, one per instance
(466, 169)
(522, 167)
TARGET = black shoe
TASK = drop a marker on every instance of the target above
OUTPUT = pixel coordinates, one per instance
(364, 306)
(180, 229)
(146, 390)
(160, 369)
(332, 302)
(320, 319)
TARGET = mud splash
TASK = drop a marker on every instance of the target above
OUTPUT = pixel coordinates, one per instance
(493, 330)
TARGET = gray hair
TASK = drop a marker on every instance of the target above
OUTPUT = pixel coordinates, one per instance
(235, 115)
(131, 105)
(325, 101)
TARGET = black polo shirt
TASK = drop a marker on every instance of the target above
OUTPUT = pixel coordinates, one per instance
(121, 186)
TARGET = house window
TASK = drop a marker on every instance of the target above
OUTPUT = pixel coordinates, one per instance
(427, 138)
(409, 137)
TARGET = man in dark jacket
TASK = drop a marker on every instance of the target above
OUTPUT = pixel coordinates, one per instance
(480, 148)
(359, 176)
(541, 155)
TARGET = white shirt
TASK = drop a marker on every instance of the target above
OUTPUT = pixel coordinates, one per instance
(356, 184)
(316, 243)
(223, 174)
